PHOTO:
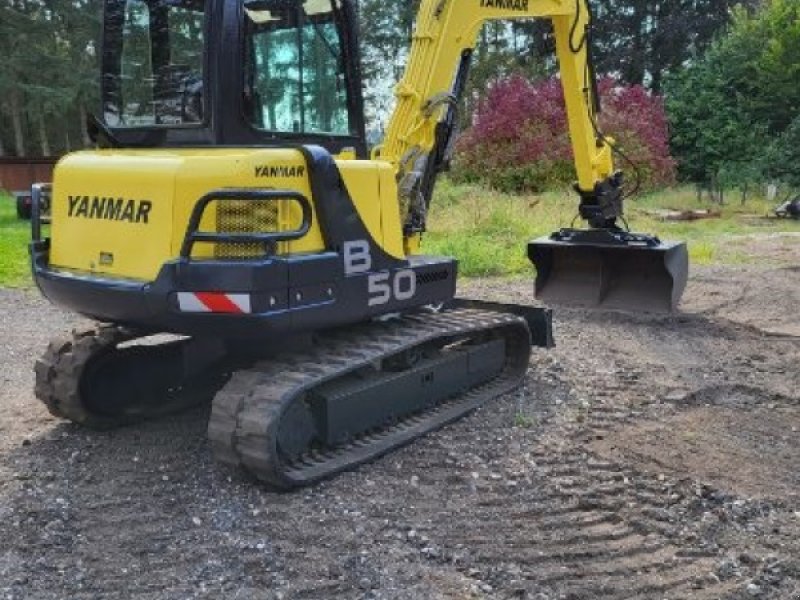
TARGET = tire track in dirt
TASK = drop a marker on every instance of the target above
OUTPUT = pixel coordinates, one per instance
(520, 500)
(582, 528)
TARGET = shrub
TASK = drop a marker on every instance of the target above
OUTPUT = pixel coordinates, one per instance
(732, 109)
(784, 156)
(520, 140)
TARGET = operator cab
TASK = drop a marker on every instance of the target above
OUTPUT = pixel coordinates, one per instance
(167, 80)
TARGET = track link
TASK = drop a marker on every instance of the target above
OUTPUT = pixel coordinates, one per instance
(247, 414)
(60, 369)
(142, 382)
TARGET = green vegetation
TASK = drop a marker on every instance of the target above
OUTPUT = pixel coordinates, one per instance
(48, 75)
(523, 421)
(14, 236)
(734, 112)
(488, 231)
(639, 41)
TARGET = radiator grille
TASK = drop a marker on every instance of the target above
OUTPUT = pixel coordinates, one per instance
(241, 216)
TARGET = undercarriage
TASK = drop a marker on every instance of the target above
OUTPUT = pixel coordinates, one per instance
(335, 400)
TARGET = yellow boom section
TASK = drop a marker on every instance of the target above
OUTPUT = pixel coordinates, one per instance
(444, 30)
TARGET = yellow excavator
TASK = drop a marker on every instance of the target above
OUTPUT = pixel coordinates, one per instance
(238, 243)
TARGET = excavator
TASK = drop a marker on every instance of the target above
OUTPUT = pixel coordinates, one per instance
(237, 243)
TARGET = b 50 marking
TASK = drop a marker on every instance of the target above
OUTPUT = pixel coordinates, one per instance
(384, 286)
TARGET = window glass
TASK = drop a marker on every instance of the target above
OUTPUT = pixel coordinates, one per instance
(160, 77)
(294, 81)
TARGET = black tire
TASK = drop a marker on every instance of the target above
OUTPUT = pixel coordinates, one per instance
(23, 210)
(793, 209)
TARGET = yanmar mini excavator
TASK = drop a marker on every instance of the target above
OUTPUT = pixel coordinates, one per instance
(236, 241)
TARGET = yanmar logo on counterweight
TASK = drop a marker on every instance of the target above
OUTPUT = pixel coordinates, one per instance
(284, 171)
(520, 5)
(110, 209)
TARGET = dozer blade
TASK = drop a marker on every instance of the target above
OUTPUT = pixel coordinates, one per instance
(610, 269)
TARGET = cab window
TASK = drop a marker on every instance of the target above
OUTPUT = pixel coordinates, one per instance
(157, 77)
(294, 79)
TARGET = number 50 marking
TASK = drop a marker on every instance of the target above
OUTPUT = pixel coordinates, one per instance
(383, 287)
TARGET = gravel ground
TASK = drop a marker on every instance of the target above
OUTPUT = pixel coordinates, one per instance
(646, 457)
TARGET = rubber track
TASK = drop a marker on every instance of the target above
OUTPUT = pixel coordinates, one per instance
(246, 414)
(60, 370)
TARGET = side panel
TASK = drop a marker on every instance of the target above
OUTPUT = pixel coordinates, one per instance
(124, 213)
(112, 215)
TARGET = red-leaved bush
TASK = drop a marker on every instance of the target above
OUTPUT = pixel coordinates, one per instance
(520, 141)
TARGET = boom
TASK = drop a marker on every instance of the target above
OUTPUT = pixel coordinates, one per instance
(420, 133)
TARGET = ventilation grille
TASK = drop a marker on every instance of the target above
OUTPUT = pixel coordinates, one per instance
(432, 277)
(240, 216)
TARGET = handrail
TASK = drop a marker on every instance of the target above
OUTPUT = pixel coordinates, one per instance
(194, 235)
(38, 190)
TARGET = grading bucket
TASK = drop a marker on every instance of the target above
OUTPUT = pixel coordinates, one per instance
(610, 269)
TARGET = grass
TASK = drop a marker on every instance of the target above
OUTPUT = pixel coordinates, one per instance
(14, 237)
(488, 231)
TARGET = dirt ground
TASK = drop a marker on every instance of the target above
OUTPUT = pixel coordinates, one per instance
(655, 458)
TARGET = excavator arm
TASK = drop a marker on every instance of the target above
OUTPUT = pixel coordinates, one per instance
(600, 266)
(422, 127)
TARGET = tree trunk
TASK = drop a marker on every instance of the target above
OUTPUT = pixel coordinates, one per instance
(43, 139)
(87, 142)
(16, 122)
(634, 73)
(407, 14)
(271, 115)
(655, 82)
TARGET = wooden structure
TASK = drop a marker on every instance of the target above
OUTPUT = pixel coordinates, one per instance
(19, 174)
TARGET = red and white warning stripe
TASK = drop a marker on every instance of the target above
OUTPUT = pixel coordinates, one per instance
(213, 302)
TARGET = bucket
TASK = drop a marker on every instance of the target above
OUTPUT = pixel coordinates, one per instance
(609, 269)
